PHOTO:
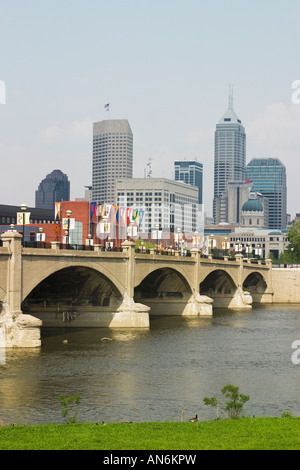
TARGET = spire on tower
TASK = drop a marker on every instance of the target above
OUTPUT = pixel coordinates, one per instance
(230, 99)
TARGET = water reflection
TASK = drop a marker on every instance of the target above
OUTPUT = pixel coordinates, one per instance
(152, 375)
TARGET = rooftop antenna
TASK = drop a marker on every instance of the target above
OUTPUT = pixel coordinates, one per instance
(230, 99)
(148, 169)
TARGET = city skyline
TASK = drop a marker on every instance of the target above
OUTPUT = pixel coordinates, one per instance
(172, 86)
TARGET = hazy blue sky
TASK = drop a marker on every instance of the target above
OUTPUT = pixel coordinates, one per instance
(165, 65)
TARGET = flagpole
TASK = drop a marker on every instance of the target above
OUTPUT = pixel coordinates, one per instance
(107, 109)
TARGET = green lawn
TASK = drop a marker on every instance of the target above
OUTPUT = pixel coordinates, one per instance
(246, 433)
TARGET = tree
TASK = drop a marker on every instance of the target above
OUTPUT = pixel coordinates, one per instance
(294, 239)
(67, 403)
(292, 253)
(234, 406)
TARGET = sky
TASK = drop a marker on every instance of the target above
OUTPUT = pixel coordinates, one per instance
(165, 65)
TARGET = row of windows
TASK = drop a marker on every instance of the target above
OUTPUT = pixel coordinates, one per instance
(12, 220)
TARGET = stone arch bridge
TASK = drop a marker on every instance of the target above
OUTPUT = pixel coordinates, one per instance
(57, 287)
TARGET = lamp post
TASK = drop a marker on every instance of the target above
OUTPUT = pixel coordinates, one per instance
(178, 232)
(225, 246)
(157, 229)
(238, 247)
(104, 221)
(69, 213)
(40, 235)
(130, 231)
(23, 208)
(258, 250)
(211, 238)
(196, 239)
(89, 241)
(66, 235)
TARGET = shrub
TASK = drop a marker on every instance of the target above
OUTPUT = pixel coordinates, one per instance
(235, 404)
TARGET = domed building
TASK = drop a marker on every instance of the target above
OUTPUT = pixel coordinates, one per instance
(255, 212)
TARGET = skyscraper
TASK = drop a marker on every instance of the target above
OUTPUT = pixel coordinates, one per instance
(190, 172)
(54, 188)
(112, 157)
(269, 178)
(230, 152)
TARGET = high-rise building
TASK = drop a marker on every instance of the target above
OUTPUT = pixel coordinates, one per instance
(54, 188)
(230, 152)
(112, 157)
(269, 178)
(190, 172)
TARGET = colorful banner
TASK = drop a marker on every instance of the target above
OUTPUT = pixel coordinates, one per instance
(129, 215)
(135, 216)
(93, 211)
(108, 208)
(104, 227)
(57, 210)
(115, 214)
(66, 225)
(122, 215)
(141, 216)
(23, 218)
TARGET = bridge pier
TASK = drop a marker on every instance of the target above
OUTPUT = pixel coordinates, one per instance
(16, 329)
(199, 305)
(130, 313)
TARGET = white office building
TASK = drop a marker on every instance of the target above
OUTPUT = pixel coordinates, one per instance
(167, 205)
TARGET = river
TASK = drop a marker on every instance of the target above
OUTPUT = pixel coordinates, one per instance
(152, 375)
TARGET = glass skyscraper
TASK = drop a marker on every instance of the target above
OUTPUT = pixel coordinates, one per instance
(54, 188)
(230, 152)
(190, 172)
(269, 178)
(112, 157)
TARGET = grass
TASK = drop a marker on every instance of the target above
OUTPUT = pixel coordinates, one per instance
(239, 434)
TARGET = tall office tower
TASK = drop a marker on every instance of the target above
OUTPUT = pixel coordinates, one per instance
(269, 178)
(54, 188)
(112, 157)
(190, 172)
(230, 152)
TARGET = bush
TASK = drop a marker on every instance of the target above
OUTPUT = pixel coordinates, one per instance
(65, 403)
(233, 407)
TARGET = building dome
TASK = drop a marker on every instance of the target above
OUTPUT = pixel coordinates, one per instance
(252, 205)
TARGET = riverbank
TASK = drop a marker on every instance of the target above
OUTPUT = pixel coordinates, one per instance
(239, 434)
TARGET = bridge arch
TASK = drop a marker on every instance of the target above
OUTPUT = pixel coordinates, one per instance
(165, 290)
(220, 286)
(255, 283)
(33, 280)
(71, 292)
